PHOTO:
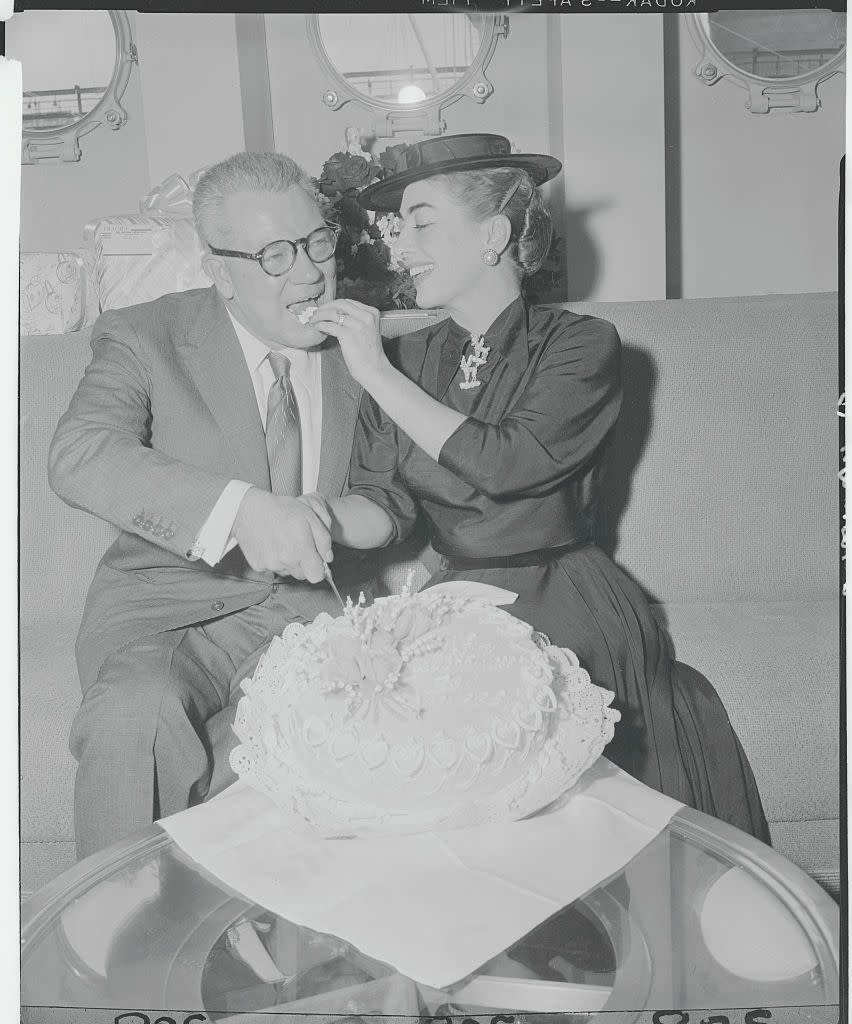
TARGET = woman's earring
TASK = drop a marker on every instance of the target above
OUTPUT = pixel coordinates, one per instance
(490, 257)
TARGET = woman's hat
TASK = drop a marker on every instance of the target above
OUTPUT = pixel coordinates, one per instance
(443, 154)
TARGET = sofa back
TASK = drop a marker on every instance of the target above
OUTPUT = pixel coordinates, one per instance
(720, 483)
(721, 480)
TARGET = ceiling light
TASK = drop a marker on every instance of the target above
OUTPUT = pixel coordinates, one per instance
(411, 94)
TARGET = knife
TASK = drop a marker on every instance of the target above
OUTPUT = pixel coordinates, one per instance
(330, 580)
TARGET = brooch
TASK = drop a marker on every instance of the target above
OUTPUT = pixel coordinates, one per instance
(470, 364)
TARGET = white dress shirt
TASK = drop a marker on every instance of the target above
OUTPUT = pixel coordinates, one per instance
(214, 539)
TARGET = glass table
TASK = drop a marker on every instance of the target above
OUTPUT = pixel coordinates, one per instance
(705, 924)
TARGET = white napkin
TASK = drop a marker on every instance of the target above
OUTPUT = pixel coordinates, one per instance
(434, 906)
(470, 588)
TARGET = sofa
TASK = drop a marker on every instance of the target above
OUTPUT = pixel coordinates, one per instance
(720, 496)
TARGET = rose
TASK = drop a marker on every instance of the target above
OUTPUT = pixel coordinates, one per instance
(345, 171)
(397, 158)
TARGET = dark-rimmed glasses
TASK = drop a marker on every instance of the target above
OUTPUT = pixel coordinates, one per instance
(277, 258)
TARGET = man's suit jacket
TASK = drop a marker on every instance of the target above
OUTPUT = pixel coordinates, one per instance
(163, 418)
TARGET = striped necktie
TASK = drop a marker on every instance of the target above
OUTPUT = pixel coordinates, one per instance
(283, 431)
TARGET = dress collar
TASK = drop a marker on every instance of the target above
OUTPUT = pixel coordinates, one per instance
(506, 338)
(507, 335)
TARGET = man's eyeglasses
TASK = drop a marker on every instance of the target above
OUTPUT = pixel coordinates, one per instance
(278, 257)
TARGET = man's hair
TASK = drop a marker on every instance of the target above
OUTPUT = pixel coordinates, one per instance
(242, 172)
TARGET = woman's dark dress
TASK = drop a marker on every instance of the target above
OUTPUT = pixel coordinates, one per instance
(520, 475)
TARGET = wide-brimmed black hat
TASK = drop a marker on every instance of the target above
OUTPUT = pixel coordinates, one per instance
(446, 153)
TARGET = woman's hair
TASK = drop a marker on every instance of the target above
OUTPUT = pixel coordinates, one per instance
(513, 193)
(243, 172)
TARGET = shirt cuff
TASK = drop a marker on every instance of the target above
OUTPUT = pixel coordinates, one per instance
(214, 539)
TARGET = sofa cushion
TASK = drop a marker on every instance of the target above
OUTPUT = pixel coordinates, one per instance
(814, 846)
(49, 701)
(44, 860)
(776, 667)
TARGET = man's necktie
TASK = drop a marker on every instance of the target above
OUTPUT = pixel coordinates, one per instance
(283, 431)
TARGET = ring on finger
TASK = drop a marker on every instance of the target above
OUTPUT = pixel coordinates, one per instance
(340, 318)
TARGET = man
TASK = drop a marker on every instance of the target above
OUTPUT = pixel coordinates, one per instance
(191, 434)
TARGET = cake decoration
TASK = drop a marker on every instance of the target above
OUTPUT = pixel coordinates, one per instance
(417, 712)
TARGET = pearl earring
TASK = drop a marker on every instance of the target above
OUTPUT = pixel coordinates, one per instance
(490, 257)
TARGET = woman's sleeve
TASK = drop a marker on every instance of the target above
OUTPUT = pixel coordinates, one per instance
(555, 426)
(374, 468)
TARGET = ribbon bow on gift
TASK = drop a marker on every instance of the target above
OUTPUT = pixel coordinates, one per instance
(173, 195)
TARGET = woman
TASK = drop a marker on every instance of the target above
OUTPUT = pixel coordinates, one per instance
(492, 424)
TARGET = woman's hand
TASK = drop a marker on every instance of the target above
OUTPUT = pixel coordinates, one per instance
(356, 328)
(352, 520)
(426, 421)
(318, 504)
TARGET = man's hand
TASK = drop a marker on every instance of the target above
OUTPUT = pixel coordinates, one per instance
(283, 535)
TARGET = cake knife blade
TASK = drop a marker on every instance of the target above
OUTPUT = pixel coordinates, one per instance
(331, 583)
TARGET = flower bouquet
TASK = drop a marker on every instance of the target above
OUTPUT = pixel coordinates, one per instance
(366, 268)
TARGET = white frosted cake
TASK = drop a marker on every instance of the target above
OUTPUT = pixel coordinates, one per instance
(416, 713)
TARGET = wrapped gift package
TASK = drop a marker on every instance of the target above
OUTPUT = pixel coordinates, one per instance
(57, 292)
(141, 256)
